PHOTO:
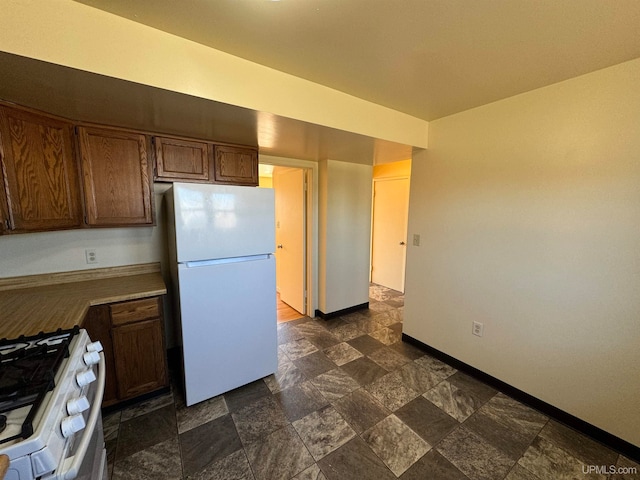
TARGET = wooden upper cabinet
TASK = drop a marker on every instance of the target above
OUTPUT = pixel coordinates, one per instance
(182, 160)
(236, 165)
(39, 173)
(117, 177)
(4, 217)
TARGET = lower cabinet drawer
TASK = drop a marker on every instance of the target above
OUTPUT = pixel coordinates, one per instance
(134, 311)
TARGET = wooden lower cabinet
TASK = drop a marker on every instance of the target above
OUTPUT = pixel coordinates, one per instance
(140, 364)
(132, 334)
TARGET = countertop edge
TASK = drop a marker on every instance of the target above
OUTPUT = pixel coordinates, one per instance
(57, 278)
(124, 298)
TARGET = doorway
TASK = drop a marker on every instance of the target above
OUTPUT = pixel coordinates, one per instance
(389, 232)
(289, 184)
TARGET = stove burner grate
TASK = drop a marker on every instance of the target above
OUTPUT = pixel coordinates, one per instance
(28, 366)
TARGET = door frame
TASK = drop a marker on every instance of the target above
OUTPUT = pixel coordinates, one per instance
(310, 170)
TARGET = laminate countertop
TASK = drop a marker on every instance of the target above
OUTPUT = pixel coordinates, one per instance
(29, 305)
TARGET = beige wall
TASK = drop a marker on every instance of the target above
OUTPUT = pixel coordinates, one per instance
(529, 216)
(46, 252)
(344, 233)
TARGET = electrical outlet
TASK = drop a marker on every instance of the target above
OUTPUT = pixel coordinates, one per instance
(91, 255)
(416, 240)
(478, 329)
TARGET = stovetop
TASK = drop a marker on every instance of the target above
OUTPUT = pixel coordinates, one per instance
(28, 367)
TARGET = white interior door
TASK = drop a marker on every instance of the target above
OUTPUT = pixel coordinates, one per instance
(288, 184)
(389, 237)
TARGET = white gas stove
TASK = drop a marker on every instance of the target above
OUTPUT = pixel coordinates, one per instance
(51, 388)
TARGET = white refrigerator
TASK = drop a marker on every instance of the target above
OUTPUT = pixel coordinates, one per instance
(221, 244)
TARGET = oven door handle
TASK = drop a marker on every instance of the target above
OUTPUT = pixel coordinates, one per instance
(71, 471)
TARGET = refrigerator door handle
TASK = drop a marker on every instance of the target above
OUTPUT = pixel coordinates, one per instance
(220, 261)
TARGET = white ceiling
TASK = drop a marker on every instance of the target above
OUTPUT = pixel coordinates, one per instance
(426, 58)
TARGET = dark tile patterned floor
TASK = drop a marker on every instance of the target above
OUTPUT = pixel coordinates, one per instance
(350, 400)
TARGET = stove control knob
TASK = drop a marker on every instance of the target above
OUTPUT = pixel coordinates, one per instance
(85, 378)
(94, 347)
(77, 405)
(91, 358)
(71, 425)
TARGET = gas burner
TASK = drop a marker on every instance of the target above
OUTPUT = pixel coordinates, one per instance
(28, 371)
(7, 349)
(54, 340)
(3, 423)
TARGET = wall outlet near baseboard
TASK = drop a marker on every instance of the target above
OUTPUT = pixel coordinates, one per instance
(478, 329)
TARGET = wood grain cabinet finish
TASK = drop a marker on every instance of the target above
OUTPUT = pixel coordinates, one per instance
(40, 182)
(235, 165)
(117, 177)
(139, 358)
(4, 222)
(132, 336)
(182, 160)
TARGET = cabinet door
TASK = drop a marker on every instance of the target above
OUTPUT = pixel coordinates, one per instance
(40, 172)
(98, 325)
(116, 175)
(181, 160)
(236, 165)
(139, 358)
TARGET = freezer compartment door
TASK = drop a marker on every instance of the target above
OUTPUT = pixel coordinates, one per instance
(229, 330)
(218, 221)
